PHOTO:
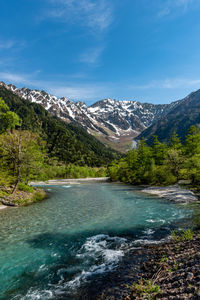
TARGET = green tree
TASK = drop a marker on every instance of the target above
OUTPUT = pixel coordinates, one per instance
(175, 161)
(192, 143)
(23, 154)
(8, 119)
(159, 151)
(175, 142)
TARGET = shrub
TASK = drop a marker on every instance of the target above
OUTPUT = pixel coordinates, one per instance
(145, 288)
(26, 188)
(184, 235)
(39, 196)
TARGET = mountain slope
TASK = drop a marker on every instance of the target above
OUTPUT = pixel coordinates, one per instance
(178, 119)
(115, 123)
(66, 142)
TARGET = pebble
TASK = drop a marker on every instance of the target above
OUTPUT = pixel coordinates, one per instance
(190, 276)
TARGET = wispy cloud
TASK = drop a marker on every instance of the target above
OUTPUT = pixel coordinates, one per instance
(93, 91)
(6, 44)
(171, 83)
(168, 7)
(14, 78)
(97, 15)
(91, 56)
(76, 91)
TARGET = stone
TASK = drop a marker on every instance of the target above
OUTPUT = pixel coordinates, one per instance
(190, 276)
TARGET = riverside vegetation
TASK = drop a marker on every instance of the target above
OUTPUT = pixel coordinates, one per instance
(161, 163)
(25, 156)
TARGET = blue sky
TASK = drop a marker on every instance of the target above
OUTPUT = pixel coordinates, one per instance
(145, 50)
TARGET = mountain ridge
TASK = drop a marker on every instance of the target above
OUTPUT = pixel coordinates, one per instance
(179, 120)
(114, 122)
(65, 142)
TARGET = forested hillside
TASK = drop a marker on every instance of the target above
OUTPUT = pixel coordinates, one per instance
(179, 119)
(65, 142)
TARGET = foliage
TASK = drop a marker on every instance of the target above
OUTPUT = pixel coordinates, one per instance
(8, 119)
(38, 196)
(26, 188)
(22, 154)
(27, 198)
(55, 170)
(181, 236)
(160, 164)
(145, 288)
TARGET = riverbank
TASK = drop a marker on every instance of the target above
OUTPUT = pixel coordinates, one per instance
(173, 193)
(70, 181)
(167, 270)
(2, 206)
(21, 198)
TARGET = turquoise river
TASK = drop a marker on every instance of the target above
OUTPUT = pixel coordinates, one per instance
(50, 249)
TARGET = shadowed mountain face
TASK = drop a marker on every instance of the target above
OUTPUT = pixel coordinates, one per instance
(115, 123)
(185, 114)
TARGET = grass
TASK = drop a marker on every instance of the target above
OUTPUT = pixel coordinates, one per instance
(184, 235)
(145, 288)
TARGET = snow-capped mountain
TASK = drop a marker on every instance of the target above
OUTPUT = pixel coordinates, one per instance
(113, 122)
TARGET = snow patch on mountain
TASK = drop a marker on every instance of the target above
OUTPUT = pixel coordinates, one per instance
(109, 118)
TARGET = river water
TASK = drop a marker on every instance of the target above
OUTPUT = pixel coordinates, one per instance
(50, 249)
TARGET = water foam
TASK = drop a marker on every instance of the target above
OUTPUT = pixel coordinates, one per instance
(99, 249)
(100, 254)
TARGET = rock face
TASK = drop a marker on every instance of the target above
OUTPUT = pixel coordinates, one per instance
(113, 122)
(172, 193)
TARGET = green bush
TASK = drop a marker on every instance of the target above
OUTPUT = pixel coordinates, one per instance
(38, 196)
(26, 188)
(184, 235)
(145, 288)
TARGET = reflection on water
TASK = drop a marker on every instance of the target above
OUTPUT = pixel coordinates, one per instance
(51, 248)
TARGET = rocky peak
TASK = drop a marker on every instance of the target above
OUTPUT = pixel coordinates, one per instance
(110, 120)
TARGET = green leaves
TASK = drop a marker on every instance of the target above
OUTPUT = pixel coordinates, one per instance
(8, 119)
(161, 163)
(3, 106)
(22, 149)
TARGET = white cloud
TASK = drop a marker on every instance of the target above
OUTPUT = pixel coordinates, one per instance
(172, 83)
(6, 44)
(74, 91)
(97, 15)
(91, 56)
(167, 7)
(77, 92)
(14, 78)
(93, 91)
